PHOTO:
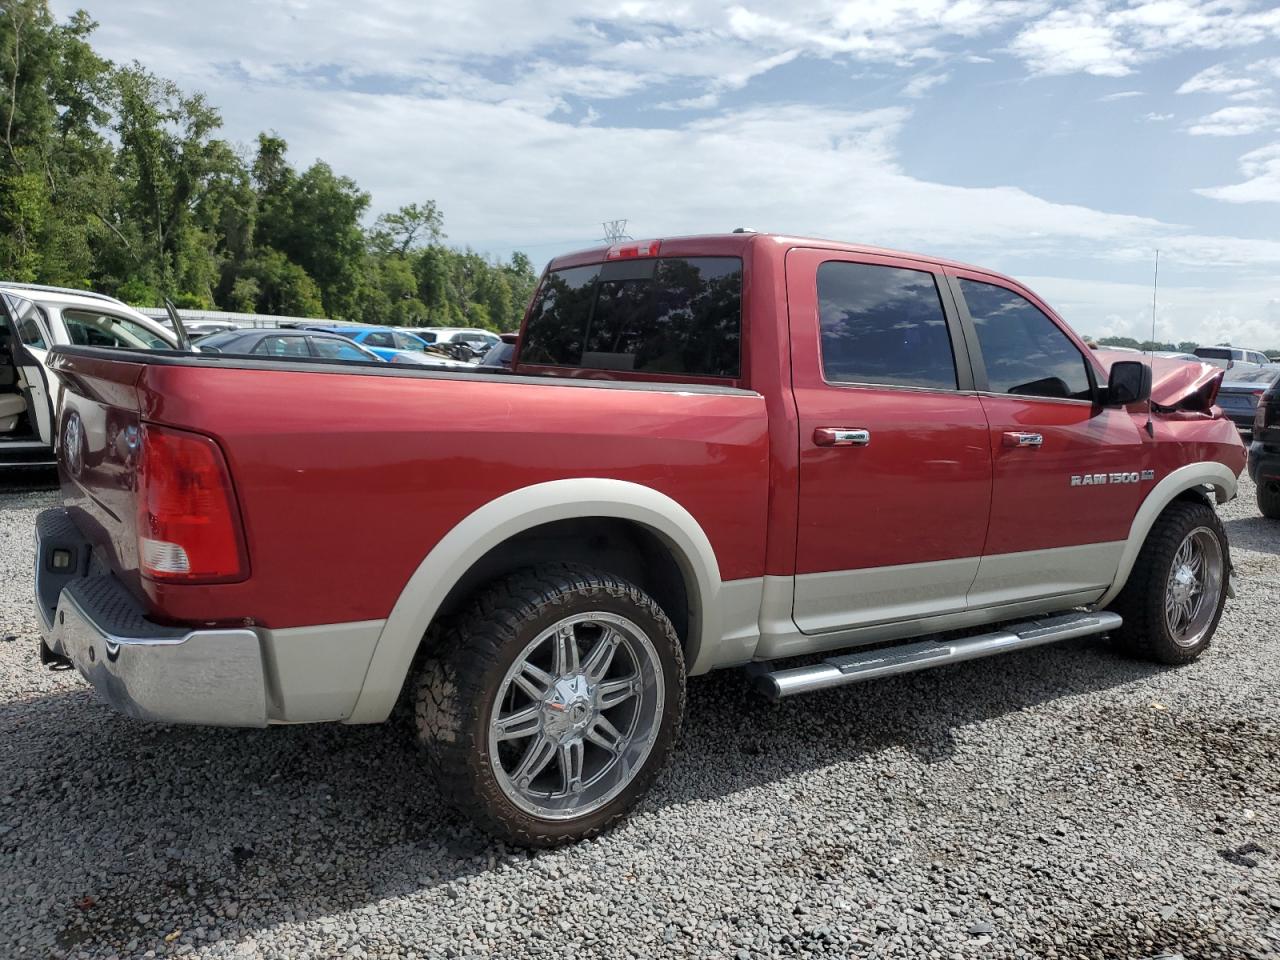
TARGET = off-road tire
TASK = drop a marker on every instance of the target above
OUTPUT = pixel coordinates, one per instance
(1145, 633)
(1269, 498)
(462, 672)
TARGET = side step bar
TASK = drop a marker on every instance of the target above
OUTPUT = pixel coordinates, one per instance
(906, 658)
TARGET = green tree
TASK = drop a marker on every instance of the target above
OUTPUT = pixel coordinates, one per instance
(53, 159)
(313, 218)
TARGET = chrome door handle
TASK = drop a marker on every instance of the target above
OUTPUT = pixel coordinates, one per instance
(1015, 438)
(841, 437)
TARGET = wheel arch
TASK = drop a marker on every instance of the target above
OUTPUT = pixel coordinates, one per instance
(458, 562)
(1186, 482)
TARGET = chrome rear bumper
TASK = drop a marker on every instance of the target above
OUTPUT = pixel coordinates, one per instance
(141, 668)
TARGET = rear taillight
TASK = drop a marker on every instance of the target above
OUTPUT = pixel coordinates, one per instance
(1260, 420)
(188, 523)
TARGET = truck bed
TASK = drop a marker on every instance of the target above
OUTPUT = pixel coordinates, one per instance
(346, 475)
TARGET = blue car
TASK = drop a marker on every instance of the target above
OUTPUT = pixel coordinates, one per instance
(384, 341)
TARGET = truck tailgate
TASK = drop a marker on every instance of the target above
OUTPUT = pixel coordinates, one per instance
(98, 433)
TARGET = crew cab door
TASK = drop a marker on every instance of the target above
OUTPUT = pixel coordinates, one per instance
(894, 460)
(1067, 471)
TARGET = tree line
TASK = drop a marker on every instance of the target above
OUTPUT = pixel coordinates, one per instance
(1184, 346)
(115, 179)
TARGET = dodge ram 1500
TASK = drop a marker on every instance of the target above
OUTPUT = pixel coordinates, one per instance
(710, 452)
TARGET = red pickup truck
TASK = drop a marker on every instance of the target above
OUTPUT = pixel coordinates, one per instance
(710, 452)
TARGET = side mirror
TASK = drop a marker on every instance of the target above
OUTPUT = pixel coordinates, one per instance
(1129, 382)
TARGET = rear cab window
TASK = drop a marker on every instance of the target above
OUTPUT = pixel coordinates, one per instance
(671, 317)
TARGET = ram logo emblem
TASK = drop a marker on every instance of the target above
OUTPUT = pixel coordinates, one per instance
(1097, 479)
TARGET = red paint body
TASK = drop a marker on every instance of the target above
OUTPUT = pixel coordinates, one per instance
(346, 479)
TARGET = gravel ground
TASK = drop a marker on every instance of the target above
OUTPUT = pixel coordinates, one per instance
(1058, 803)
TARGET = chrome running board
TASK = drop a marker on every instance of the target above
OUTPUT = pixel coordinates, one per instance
(923, 654)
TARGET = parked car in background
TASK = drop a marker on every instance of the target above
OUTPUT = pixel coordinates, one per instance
(390, 344)
(1175, 355)
(502, 353)
(713, 452)
(287, 344)
(1231, 355)
(1264, 451)
(1242, 388)
(462, 343)
(35, 318)
(197, 329)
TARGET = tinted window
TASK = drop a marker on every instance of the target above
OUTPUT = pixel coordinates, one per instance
(1025, 352)
(1213, 353)
(87, 328)
(674, 315)
(218, 342)
(281, 346)
(380, 338)
(338, 349)
(883, 325)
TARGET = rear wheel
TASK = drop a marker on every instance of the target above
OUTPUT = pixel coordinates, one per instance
(1269, 498)
(549, 709)
(1176, 591)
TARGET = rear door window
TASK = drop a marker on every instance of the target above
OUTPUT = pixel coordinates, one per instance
(1025, 352)
(883, 325)
(673, 315)
(380, 338)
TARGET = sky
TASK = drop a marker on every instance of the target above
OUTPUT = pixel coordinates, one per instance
(1062, 143)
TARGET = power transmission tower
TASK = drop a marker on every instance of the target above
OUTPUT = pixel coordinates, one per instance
(615, 230)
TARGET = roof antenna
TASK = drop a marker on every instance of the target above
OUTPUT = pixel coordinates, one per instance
(1155, 288)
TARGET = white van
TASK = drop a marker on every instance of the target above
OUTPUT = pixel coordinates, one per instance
(34, 318)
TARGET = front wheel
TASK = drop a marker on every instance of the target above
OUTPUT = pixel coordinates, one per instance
(1177, 589)
(549, 708)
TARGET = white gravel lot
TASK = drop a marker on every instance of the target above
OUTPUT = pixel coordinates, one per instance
(1058, 803)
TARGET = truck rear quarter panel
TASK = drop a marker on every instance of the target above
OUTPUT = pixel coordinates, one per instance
(347, 480)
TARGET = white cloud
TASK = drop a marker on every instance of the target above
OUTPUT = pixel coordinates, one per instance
(1217, 79)
(1246, 315)
(1121, 95)
(1075, 40)
(1109, 38)
(1261, 169)
(921, 84)
(1235, 122)
(1157, 117)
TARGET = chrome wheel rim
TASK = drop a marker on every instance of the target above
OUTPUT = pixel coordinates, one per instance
(1193, 587)
(576, 715)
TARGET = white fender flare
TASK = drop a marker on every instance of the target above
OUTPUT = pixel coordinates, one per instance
(1205, 473)
(509, 515)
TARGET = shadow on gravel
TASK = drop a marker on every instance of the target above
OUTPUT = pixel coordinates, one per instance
(26, 479)
(1254, 533)
(294, 823)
